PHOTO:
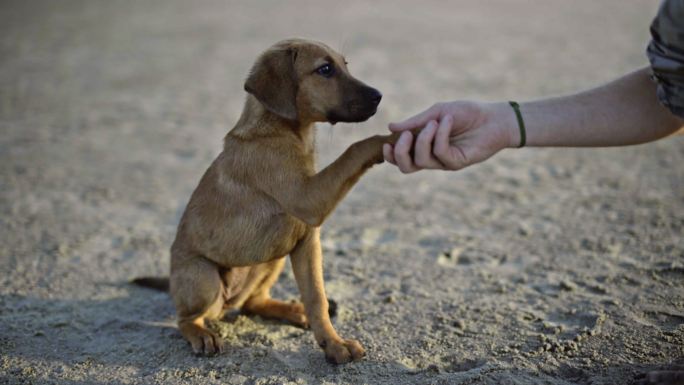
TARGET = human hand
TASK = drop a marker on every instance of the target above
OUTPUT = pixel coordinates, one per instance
(454, 135)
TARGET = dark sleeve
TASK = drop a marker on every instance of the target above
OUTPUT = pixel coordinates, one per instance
(666, 54)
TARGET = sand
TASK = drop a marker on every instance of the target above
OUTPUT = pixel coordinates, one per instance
(540, 266)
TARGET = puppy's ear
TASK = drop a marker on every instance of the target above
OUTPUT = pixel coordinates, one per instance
(273, 81)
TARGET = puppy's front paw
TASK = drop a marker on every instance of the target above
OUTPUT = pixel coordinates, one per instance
(206, 342)
(343, 351)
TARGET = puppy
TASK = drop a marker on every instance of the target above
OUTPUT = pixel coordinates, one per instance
(262, 199)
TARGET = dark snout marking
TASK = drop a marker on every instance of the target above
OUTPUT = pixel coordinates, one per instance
(374, 96)
(359, 102)
(365, 102)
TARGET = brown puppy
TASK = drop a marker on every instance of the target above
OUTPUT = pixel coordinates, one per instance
(262, 199)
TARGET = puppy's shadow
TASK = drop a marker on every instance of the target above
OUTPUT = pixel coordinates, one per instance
(137, 329)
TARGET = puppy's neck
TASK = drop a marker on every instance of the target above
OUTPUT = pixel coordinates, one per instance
(257, 121)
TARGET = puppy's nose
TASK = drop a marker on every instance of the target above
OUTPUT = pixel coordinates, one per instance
(375, 96)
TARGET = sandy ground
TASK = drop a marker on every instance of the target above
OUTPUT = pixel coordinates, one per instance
(553, 266)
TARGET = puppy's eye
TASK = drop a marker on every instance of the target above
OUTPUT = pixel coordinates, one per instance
(326, 70)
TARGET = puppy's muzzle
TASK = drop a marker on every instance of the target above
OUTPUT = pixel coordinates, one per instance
(361, 107)
(374, 97)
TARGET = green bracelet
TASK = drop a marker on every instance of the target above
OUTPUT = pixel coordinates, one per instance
(521, 122)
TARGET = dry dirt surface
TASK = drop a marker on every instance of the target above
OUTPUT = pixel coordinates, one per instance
(540, 266)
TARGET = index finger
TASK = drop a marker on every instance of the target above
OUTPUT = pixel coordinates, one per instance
(418, 120)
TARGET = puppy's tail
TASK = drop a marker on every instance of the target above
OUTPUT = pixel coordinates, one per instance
(157, 283)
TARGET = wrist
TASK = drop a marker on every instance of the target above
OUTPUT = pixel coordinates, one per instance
(502, 116)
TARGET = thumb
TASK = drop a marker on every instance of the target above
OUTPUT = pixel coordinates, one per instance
(416, 121)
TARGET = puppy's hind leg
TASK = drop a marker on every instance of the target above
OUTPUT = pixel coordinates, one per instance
(197, 292)
(260, 302)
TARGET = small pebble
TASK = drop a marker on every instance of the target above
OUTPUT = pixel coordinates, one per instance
(568, 285)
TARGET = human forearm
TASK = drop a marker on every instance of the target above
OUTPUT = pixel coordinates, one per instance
(623, 112)
(461, 133)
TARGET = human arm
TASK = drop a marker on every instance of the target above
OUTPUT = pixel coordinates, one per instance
(458, 134)
(620, 113)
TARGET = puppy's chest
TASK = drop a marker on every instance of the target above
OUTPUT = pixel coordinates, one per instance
(252, 228)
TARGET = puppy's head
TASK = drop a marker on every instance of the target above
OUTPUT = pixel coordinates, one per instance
(307, 81)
